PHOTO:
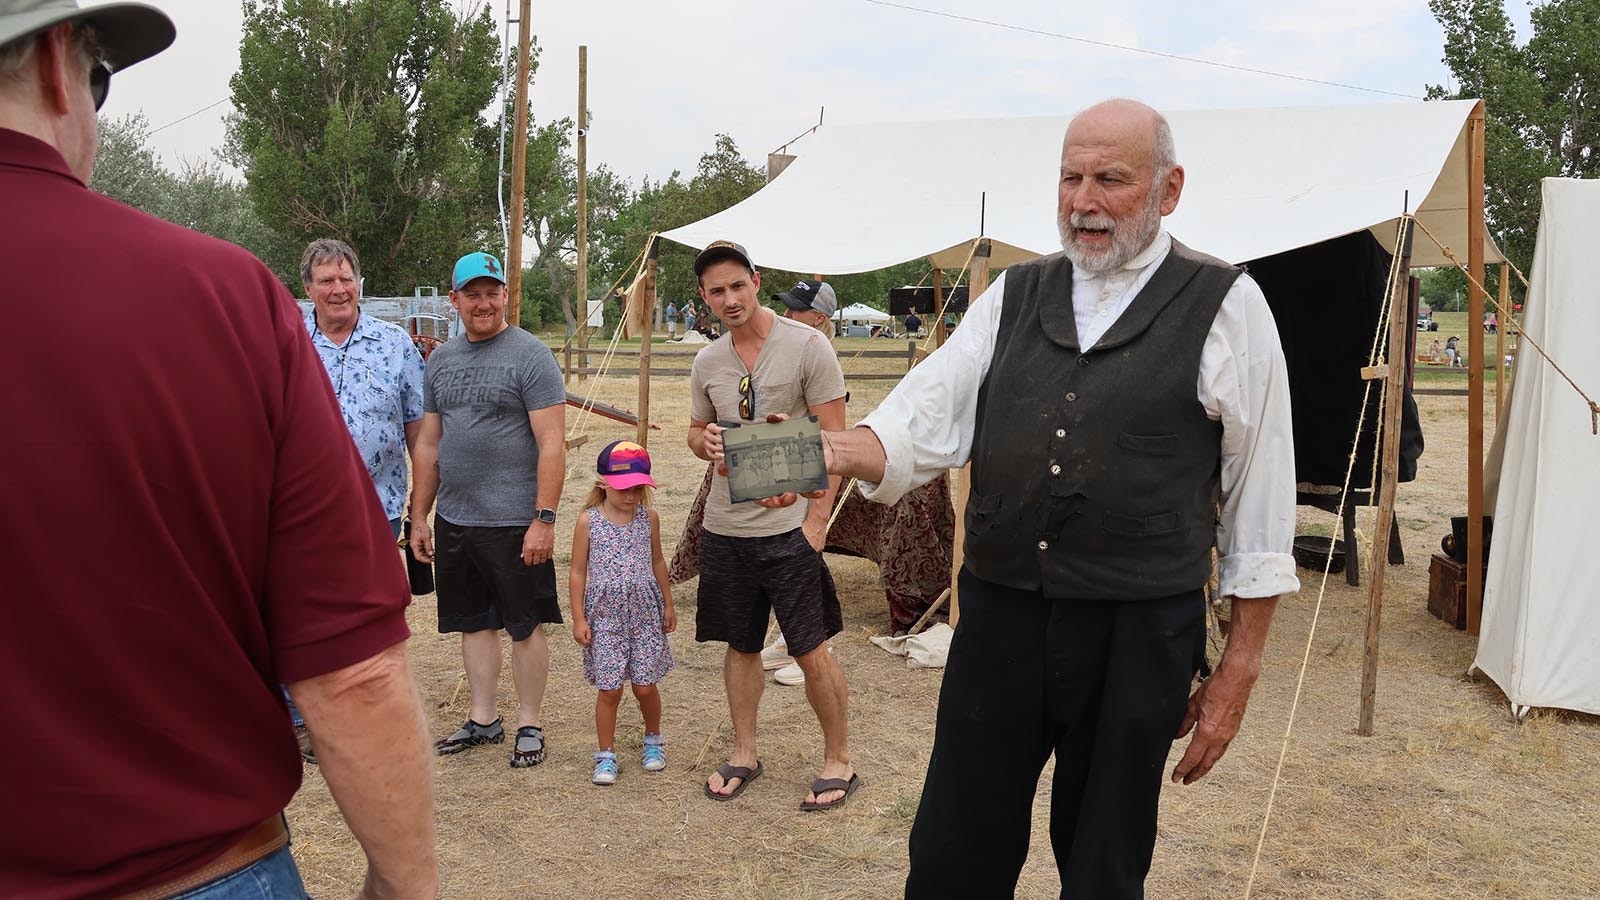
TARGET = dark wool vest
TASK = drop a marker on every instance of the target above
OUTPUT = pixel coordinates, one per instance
(1094, 473)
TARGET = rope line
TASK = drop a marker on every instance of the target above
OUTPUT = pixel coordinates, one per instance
(1594, 409)
(580, 427)
(1327, 564)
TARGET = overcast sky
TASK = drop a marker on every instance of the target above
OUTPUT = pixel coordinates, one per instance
(666, 76)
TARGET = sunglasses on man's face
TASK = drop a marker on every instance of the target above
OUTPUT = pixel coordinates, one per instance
(747, 398)
(99, 82)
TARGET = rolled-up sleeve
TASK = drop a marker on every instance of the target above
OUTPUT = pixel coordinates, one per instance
(1244, 384)
(926, 423)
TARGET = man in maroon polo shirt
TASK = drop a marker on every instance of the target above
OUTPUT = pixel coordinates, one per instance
(185, 524)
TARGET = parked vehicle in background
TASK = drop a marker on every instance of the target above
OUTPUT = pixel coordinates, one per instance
(1425, 321)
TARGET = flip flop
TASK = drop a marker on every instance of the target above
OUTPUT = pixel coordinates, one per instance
(730, 772)
(824, 785)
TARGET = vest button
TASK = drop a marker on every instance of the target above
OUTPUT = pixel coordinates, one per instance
(1055, 470)
(1044, 545)
(1061, 432)
(1071, 396)
(1083, 361)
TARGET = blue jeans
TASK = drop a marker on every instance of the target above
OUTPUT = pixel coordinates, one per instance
(294, 711)
(272, 878)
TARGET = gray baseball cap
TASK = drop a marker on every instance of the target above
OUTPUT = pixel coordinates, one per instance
(808, 294)
(129, 32)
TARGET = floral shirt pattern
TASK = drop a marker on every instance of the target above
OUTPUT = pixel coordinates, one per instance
(377, 376)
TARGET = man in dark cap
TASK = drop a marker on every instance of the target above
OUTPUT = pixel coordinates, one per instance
(187, 523)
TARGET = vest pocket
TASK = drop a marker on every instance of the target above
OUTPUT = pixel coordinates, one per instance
(983, 512)
(1141, 526)
(1149, 444)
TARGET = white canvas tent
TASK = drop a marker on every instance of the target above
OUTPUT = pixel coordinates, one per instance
(862, 314)
(1260, 181)
(1540, 638)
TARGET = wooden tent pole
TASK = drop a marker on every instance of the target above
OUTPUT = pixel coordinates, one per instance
(961, 479)
(1475, 377)
(519, 168)
(938, 307)
(1401, 327)
(652, 268)
(1500, 341)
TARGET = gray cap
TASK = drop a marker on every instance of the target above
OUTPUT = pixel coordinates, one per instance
(129, 32)
(808, 294)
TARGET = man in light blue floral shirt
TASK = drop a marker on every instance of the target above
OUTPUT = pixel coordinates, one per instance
(375, 369)
(377, 375)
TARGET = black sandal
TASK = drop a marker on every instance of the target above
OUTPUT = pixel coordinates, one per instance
(824, 785)
(728, 771)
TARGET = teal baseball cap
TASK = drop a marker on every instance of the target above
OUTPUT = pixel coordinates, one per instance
(477, 265)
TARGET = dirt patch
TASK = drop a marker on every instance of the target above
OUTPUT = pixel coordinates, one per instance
(1451, 799)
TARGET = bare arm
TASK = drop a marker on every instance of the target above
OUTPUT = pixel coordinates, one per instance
(372, 747)
(705, 440)
(550, 433)
(413, 431)
(424, 481)
(855, 453)
(658, 564)
(830, 417)
(578, 577)
(1217, 708)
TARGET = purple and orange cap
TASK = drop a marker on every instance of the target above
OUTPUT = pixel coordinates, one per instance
(624, 464)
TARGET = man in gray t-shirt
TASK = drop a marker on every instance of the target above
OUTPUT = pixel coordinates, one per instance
(493, 450)
(756, 557)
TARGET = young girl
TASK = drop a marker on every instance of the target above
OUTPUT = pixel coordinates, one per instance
(621, 601)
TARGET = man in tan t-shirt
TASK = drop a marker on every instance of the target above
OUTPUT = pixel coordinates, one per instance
(767, 554)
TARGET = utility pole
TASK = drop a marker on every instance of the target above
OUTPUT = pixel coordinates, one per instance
(519, 167)
(583, 207)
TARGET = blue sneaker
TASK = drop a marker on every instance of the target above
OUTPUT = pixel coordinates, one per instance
(605, 768)
(655, 753)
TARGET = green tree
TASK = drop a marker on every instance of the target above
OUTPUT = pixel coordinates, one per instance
(362, 120)
(1541, 100)
(202, 196)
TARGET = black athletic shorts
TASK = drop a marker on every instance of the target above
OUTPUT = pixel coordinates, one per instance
(741, 579)
(482, 583)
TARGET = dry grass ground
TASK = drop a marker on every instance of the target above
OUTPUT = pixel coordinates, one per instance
(1451, 799)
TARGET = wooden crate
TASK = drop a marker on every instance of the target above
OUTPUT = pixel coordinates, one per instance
(1447, 590)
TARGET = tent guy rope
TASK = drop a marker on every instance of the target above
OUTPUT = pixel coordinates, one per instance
(1322, 590)
(1594, 409)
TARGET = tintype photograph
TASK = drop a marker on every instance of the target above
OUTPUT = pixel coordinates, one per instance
(765, 460)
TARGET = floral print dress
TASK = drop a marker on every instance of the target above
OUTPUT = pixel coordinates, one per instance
(623, 605)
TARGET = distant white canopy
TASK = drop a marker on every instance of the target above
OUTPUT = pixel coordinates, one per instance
(1259, 182)
(860, 312)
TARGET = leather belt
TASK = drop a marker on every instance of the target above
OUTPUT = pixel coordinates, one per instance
(257, 844)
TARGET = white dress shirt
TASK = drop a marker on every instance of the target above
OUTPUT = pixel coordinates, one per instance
(926, 422)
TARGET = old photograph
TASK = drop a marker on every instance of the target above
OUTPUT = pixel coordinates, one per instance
(765, 460)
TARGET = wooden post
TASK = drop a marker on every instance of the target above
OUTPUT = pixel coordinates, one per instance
(581, 285)
(961, 479)
(1475, 237)
(519, 168)
(938, 307)
(651, 270)
(1500, 340)
(1401, 327)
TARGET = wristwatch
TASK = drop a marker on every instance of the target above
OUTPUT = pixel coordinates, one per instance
(545, 515)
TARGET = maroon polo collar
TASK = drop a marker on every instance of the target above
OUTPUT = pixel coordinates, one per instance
(28, 152)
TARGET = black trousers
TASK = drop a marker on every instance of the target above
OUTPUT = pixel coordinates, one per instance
(1101, 684)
